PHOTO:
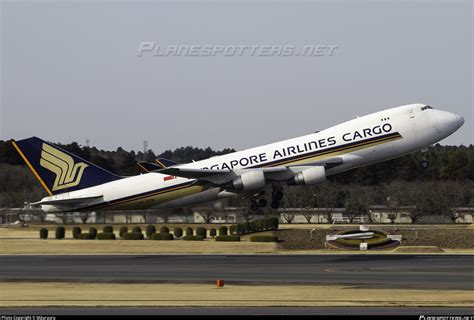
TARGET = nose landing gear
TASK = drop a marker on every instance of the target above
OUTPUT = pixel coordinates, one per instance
(424, 163)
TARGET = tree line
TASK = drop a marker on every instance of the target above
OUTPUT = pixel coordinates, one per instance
(449, 176)
(438, 199)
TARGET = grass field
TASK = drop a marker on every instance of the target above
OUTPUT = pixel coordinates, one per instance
(26, 241)
(94, 294)
(29, 246)
(15, 240)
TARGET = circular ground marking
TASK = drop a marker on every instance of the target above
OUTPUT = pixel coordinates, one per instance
(379, 241)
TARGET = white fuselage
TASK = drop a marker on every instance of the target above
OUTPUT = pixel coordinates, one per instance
(362, 141)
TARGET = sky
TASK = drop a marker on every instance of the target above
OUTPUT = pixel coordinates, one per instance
(73, 70)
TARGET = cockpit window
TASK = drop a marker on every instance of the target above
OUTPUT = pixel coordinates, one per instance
(426, 107)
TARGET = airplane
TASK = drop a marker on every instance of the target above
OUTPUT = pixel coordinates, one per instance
(74, 184)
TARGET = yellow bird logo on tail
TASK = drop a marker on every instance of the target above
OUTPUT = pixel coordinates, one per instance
(68, 173)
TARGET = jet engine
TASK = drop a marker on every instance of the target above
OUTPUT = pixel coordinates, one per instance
(252, 180)
(310, 176)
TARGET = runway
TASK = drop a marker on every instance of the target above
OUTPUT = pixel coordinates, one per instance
(365, 271)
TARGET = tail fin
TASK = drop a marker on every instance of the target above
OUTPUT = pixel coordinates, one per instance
(58, 170)
(165, 163)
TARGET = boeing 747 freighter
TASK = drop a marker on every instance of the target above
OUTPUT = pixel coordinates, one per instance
(74, 184)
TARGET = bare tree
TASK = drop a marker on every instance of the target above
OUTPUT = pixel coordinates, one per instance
(62, 216)
(207, 215)
(392, 216)
(426, 198)
(42, 216)
(392, 207)
(416, 214)
(357, 202)
(288, 217)
(247, 215)
(401, 193)
(290, 197)
(85, 216)
(308, 215)
(452, 195)
(325, 196)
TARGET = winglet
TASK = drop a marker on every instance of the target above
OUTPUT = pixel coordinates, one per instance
(146, 167)
(165, 163)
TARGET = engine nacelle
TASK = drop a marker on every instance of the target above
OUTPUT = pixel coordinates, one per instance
(309, 176)
(252, 180)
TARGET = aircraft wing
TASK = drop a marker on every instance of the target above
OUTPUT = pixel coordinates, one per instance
(215, 176)
(192, 173)
(333, 162)
(223, 176)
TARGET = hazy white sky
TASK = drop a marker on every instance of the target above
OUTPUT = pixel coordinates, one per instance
(70, 70)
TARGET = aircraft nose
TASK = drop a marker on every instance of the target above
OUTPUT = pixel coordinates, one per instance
(448, 122)
(455, 121)
(459, 120)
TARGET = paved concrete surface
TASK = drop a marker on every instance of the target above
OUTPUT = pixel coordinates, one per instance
(368, 271)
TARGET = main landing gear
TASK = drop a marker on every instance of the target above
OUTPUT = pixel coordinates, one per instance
(277, 196)
(258, 202)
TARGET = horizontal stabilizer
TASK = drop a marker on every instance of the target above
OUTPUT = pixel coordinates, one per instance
(68, 201)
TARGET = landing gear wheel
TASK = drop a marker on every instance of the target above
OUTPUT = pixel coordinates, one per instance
(425, 164)
(277, 195)
(274, 204)
(262, 203)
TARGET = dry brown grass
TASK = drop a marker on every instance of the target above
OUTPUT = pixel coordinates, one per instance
(53, 246)
(90, 294)
(419, 249)
(26, 241)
